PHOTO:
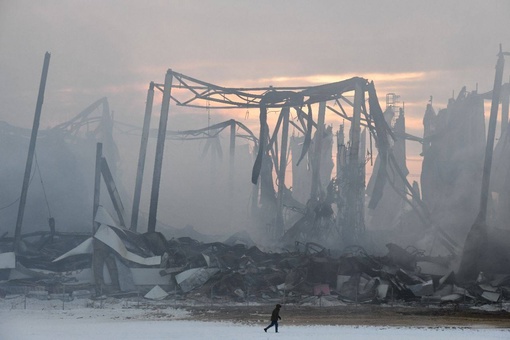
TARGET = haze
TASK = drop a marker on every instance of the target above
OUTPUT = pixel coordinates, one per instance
(113, 49)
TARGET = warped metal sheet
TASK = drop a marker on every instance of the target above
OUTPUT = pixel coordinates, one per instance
(7, 260)
(193, 278)
(83, 248)
(104, 217)
(156, 293)
(112, 240)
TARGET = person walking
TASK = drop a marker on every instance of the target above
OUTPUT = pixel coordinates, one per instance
(275, 316)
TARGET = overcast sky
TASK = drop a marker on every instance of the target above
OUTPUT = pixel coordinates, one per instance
(416, 49)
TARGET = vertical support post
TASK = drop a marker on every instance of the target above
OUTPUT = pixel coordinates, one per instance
(476, 241)
(112, 190)
(141, 157)
(362, 169)
(106, 135)
(355, 127)
(352, 215)
(340, 177)
(232, 147)
(339, 152)
(160, 146)
(491, 132)
(97, 185)
(255, 189)
(505, 101)
(316, 184)
(231, 169)
(281, 172)
(504, 198)
(31, 151)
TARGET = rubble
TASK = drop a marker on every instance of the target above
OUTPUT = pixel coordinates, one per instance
(190, 269)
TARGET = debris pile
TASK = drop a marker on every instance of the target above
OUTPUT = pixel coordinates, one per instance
(118, 262)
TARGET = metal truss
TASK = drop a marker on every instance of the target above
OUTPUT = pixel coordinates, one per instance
(192, 92)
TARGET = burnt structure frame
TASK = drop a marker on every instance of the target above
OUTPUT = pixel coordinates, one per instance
(200, 94)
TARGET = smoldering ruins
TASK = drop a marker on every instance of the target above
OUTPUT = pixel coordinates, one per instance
(307, 221)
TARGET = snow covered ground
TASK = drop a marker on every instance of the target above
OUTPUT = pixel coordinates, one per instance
(81, 319)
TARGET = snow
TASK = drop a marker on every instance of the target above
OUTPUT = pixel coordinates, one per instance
(86, 319)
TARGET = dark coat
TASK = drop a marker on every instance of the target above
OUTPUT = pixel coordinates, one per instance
(275, 316)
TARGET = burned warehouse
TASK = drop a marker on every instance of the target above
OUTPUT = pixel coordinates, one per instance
(316, 198)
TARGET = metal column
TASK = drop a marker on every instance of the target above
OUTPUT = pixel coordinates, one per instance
(316, 184)
(505, 104)
(160, 146)
(97, 185)
(281, 173)
(482, 216)
(31, 151)
(477, 239)
(231, 170)
(353, 183)
(141, 157)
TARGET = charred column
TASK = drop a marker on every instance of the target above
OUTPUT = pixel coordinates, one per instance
(113, 191)
(476, 240)
(160, 146)
(97, 185)
(281, 172)
(353, 180)
(505, 104)
(316, 184)
(490, 137)
(255, 190)
(232, 153)
(141, 157)
(340, 177)
(31, 151)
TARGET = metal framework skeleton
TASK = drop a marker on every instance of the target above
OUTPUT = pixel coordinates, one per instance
(197, 92)
(186, 91)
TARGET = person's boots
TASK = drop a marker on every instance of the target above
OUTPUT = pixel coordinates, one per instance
(265, 330)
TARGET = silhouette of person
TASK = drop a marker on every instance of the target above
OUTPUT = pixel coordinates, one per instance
(275, 316)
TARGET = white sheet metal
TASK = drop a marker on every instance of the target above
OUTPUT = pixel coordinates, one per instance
(83, 248)
(382, 290)
(156, 293)
(195, 277)
(104, 217)
(340, 280)
(451, 297)
(7, 260)
(110, 238)
(491, 296)
(149, 276)
(185, 275)
(422, 289)
(106, 235)
(431, 268)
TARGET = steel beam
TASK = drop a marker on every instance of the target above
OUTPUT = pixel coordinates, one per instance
(141, 157)
(97, 185)
(31, 151)
(353, 183)
(281, 173)
(316, 184)
(160, 146)
(490, 137)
